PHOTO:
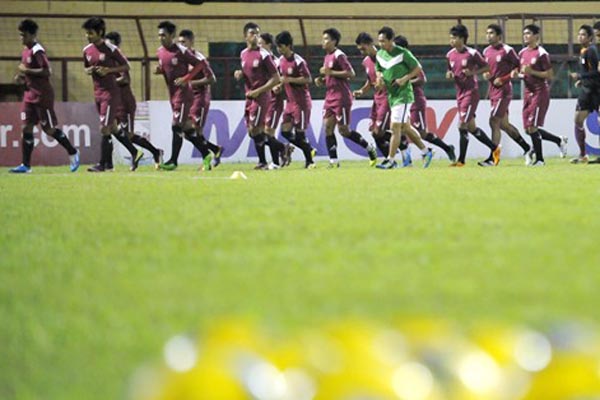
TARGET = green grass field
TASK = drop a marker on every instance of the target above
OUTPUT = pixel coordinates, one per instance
(98, 271)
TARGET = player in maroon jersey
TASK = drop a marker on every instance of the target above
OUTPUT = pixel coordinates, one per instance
(38, 100)
(502, 60)
(260, 75)
(334, 75)
(104, 62)
(126, 113)
(464, 64)
(295, 77)
(536, 71)
(201, 84)
(179, 66)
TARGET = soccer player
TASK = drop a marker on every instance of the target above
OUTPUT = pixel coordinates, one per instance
(201, 90)
(260, 76)
(275, 109)
(464, 63)
(295, 77)
(396, 66)
(380, 110)
(418, 108)
(126, 112)
(502, 60)
(335, 74)
(179, 66)
(38, 100)
(588, 82)
(104, 62)
(536, 72)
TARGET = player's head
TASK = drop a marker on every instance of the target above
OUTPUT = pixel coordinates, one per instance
(166, 33)
(493, 34)
(364, 42)
(385, 36)
(331, 38)
(459, 34)
(28, 30)
(95, 29)
(114, 37)
(285, 42)
(265, 40)
(597, 31)
(401, 41)
(585, 35)
(251, 32)
(186, 38)
(531, 34)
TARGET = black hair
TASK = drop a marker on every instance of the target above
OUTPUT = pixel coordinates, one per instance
(532, 28)
(401, 41)
(167, 26)
(364, 38)
(460, 31)
(588, 29)
(250, 25)
(267, 38)
(284, 38)
(597, 25)
(334, 34)
(115, 37)
(95, 24)
(187, 33)
(29, 26)
(387, 32)
(496, 28)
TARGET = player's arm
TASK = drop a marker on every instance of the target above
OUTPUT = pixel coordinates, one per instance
(89, 69)
(209, 77)
(43, 71)
(121, 64)
(546, 73)
(273, 81)
(364, 89)
(347, 72)
(415, 69)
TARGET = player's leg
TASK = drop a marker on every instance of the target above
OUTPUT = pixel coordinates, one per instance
(344, 129)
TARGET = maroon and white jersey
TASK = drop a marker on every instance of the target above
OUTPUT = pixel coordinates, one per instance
(39, 89)
(539, 60)
(502, 60)
(368, 64)
(257, 66)
(419, 90)
(469, 59)
(295, 67)
(175, 62)
(338, 89)
(103, 55)
(206, 72)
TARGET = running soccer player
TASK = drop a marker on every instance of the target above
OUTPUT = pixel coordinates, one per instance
(464, 63)
(295, 78)
(104, 62)
(380, 110)
(201, 89)
(334, 75)
(396, 67)
(536, 72)
(126, 112)
(417, 112)
(38, 100)
(502, 60)
(588, 82)
(260, 76)
(179, 66)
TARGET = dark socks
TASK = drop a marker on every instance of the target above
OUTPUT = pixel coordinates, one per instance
(549, 137)
(197, 142)
(124, 140)
(431, 138)
(259, 145)
(331, 143)
(277, 148)
(106, 150)
(580, 139)
(521, 142)
(358, 139)
(536, 139)
(383, 145)
(403, 143)
(302, 143)
(64, 141)
(483, 138)
(176, 143)
(144, 143)
(463, 144)
(27, 143)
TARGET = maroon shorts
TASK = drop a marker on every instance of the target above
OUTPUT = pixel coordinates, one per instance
(500, 100)
(341, 110)
(535, 106)
(255, 113)
(467, 105)
(34, 113)
(417, 115)
(181, 104)
(275, 110)
(298, 116)
(126, 113)
(108, 108)
(199, 110)
(380, 116)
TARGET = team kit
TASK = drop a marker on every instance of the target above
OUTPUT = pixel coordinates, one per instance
(277, 95)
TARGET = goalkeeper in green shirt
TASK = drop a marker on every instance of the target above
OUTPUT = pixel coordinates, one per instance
(396, 66)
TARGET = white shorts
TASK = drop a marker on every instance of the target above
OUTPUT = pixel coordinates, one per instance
(401, 113)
